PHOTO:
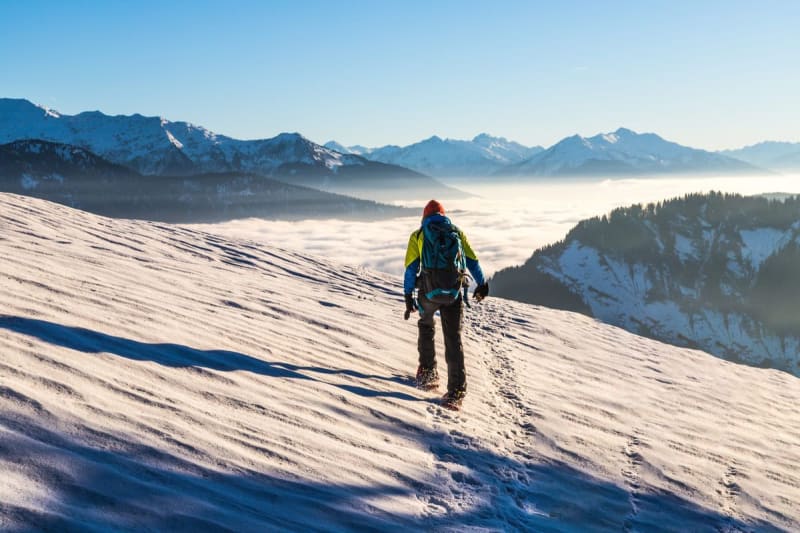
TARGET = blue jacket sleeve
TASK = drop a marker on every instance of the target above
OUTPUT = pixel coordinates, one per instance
(410, 277)
(476, 271)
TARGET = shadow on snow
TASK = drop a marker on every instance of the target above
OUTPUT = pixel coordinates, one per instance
(180, 356)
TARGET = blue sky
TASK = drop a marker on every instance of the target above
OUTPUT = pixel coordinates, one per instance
(711, 74)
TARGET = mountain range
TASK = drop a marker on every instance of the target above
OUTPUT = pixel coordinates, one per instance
(156, 146)
(622, 152)
(482, 156)
(770, 154)
(716, 272)
(78, 178)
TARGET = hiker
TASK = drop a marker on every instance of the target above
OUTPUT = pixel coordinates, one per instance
(437, 259)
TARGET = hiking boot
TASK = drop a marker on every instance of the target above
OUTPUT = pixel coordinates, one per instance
(453, 400)
(427, 378)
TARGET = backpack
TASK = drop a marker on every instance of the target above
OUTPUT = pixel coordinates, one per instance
(443, 263)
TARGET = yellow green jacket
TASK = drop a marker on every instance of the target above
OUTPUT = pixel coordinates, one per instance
(414, 253)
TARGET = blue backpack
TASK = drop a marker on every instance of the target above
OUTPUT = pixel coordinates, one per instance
(444, 264)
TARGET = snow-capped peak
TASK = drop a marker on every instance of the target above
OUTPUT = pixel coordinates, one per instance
(156, 145)
(485, 138)
(625, 152)
(436, 156)
(333, 145)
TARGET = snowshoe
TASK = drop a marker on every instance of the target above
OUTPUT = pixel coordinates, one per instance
(427, 378)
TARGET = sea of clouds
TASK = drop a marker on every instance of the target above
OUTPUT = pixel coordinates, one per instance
(504, 223)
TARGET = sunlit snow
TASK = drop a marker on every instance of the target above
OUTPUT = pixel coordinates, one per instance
(157, 378)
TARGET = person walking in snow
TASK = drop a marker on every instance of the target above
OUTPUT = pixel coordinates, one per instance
(437, 259)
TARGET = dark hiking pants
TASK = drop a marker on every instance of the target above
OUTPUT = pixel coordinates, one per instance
(451, 316)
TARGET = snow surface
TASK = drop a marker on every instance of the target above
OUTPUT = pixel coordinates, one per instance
(685, 248)
(158, 377)
(618, 293)
(759, 244)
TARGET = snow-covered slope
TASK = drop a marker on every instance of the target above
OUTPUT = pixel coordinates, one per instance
(769, 154)
(482, 156)
(623, 152)
(155, 377)
(718, 272)
(154, 145)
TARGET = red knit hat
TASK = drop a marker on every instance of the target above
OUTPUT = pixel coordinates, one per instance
(432, 208)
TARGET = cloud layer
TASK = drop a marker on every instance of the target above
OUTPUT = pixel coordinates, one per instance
(504, 224)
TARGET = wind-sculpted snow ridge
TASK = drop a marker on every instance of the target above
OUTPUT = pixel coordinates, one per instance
(159, 378)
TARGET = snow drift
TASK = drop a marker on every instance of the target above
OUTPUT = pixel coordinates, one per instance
(156, 377)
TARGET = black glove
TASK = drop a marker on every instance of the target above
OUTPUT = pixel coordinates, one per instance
(411, 305)
(481, 292)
